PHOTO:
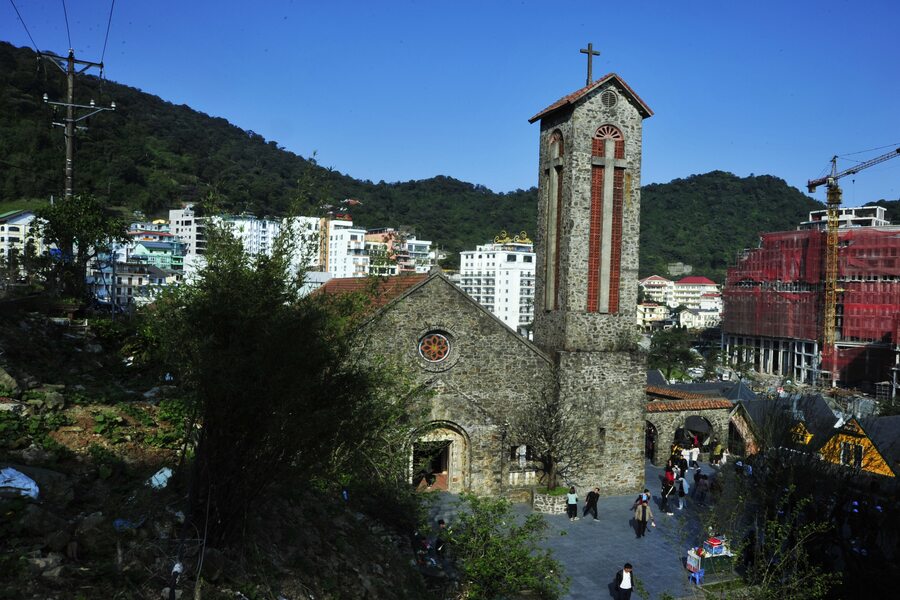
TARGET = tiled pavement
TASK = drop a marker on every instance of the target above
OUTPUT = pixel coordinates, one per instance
(592, 552)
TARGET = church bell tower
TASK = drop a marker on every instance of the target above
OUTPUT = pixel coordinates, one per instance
(587, 269)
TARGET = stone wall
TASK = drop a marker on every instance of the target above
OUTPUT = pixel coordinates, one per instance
(487, 373)
(608, 388)
(549, 505)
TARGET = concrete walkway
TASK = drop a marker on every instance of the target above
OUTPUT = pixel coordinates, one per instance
(592, 551)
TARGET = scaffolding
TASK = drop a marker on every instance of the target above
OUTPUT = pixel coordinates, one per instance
(779, 290)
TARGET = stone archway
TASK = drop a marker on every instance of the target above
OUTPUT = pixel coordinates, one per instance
(440, 459)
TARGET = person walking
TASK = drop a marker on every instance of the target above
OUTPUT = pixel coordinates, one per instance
(683, 488)
(590, 503)
(643, 514)
(668, 485)
(572, 504)
(624, 582)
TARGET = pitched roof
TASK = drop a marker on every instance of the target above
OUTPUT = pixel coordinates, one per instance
(732, 390)
(885, 434)
(380, 290)
(697, 279)
(577, 95)
(654, 278)
(811, 410)
(680, 405)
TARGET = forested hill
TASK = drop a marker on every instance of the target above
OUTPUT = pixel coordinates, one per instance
(151, 155)
(704, 220)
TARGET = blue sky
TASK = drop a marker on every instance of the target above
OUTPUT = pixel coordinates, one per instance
(411, 89)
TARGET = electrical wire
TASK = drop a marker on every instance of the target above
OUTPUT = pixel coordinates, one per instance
(16, 8)
(108, 23)
(66, 14)
(869, 150)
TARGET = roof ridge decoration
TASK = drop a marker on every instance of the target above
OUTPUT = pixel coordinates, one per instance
(577, 95)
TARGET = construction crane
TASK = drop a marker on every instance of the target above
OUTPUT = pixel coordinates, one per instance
(833, 204)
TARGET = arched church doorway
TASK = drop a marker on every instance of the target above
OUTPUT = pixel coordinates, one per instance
(440, 458)
(651, 437)
(696, 431)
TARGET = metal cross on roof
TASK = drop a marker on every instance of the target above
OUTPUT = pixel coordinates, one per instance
(591, 53)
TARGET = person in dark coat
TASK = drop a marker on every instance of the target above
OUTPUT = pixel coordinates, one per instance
(590, 503)
(624, 583)
(643, 515)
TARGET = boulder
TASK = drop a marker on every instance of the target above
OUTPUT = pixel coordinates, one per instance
(54, 573)
(34, 520)
(51, 561)
(55, 488)
(58, 540)
(8, 385)
(93, 532)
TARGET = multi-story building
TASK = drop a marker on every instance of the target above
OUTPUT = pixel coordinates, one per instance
(17, 228)
(689, 290)
(651, 315)
(345, 249)
(162, 255)
(860, 216)
(658, 289)
(256, 235)
(697, 318)
(774, 305)
(411, 255)
(500, 277)
(189, 228)
(128, 285)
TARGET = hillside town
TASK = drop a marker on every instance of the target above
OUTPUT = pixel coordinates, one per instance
(228, 371)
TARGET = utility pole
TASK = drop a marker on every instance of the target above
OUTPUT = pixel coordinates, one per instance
(70, 123)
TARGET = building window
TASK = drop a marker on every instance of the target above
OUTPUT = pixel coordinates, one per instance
(851, 455)
(434, 346)
(510, 258)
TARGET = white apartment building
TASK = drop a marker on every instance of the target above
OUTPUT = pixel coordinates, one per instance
(17, 227)
(500, 277)
(411, 255)
(651, 315)
(257, 235)
(689, 290)
(189, 228)
(345, 250)
(695, 318)
(853, 216)
(658, 289)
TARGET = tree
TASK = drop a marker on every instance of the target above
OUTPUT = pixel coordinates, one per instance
(79, 228)
(498, 558)
(552, 428)
(275, 384)
(671, 349)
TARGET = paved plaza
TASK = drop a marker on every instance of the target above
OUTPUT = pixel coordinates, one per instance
(592, 551)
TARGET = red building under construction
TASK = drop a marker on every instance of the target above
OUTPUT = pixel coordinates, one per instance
(774, 303)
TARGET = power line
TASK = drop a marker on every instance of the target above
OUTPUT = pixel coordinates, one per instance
(108, 23)
(24, 25)
(869, 150)
(66, 14)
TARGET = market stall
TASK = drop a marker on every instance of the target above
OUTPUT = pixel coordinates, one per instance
(710, 558)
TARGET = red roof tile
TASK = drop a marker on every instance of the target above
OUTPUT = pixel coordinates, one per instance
(697, 279)
(680, 405)
(578, 94)
(381, 290)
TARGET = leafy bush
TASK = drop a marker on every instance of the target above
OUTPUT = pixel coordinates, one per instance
(136, 413)
(109, 425)
(498, 558)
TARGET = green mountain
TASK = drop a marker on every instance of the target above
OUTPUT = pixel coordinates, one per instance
(150, 155)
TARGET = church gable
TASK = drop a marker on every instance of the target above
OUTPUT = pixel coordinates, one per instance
(593, 89)
(438, 328)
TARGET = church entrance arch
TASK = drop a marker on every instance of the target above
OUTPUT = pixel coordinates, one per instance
(694, 428)
(440, 458)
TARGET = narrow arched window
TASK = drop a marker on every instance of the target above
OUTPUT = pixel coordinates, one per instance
(553, 232)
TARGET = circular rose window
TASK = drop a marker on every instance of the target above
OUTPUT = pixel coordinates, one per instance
(434, 347)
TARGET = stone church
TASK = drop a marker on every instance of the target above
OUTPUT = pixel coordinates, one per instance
(584, 345)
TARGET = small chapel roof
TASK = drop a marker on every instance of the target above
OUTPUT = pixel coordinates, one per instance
(381, 290)
(579, 94)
